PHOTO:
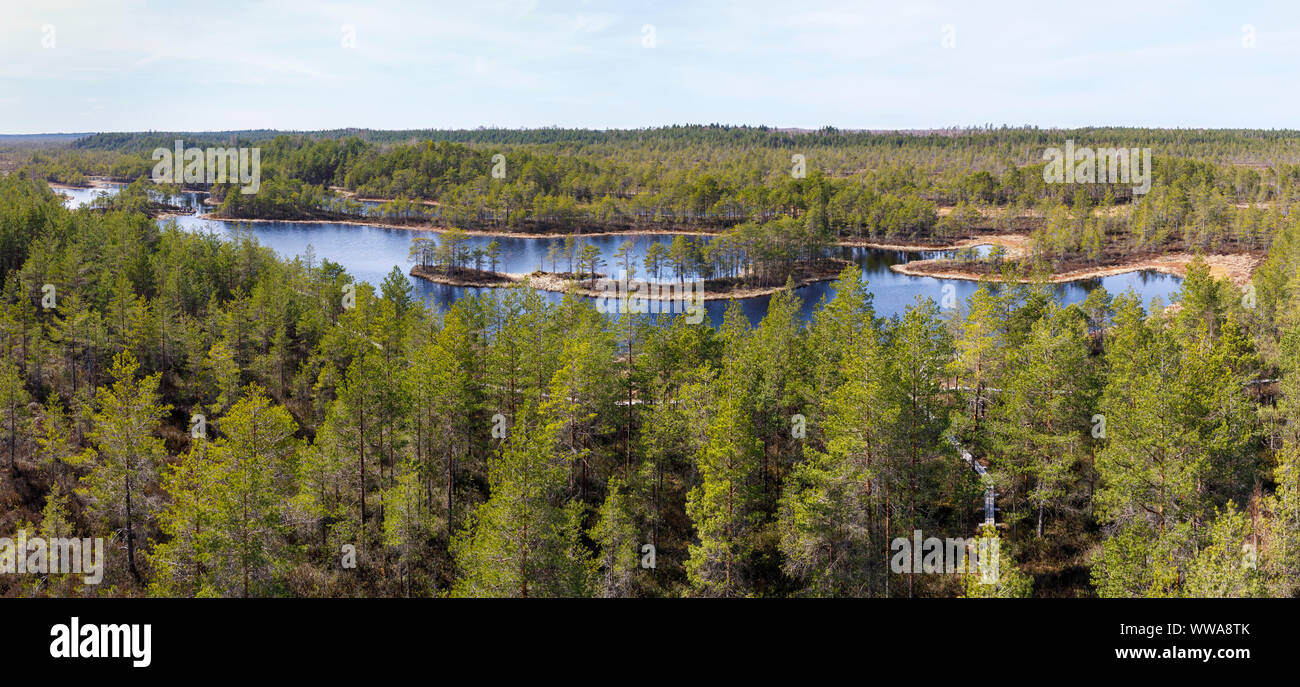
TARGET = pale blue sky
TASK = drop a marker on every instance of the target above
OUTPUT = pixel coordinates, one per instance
(116, 66)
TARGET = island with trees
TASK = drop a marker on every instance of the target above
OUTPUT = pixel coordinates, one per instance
(239, 423)
(1213, 192)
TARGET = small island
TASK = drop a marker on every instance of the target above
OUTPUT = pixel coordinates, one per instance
(590, 285)
(715, 271)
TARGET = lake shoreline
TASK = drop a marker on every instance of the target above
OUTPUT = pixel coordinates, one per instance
(1231, 266)
(1015, 245)
(92, 182)
(1013, 242)
(714, 289)
(1236, 267)
(439, 229)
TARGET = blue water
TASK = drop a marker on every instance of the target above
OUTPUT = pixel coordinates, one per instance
(78, 197)
(368, 253)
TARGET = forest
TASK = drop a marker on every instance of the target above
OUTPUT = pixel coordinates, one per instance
(237, 423)
(1215, 191)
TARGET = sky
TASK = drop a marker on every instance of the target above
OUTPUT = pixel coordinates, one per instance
(74, 66)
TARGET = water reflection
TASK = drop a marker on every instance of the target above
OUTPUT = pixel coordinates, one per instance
(368, 253)
(79, 197)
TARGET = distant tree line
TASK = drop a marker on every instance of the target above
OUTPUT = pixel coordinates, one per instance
(243, 425)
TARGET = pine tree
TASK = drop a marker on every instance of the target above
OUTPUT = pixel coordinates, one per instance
(14, 413)
(1179, 439)
(397, 290)
(1280, 551)
(448, 407)
(1044, 406)
(410, 522)
(979, 359)
(999, 578)
(838, 329)
(524, 541)
(56, 523)
(623, 256)
(721, 507)
(831, 516)
(920, 352)
(616, 534)
(1226, 566)
(181, 563)
(125, 454)
(253, 466)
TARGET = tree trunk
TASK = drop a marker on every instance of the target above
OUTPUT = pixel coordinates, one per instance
(130, 534)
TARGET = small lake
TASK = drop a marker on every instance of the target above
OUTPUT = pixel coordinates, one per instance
(77, 197)
(368, 253)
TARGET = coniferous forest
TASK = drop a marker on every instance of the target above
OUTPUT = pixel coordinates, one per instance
(235, 422)
(586, 299)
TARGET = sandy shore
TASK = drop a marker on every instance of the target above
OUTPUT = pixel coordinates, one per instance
(94, 182)
(1236, 267)
(353, 195)
(1015, 244)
